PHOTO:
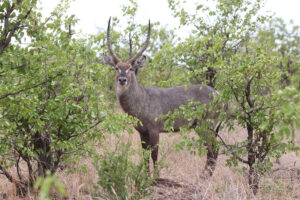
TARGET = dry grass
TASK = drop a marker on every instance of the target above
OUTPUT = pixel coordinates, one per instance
(183, 178)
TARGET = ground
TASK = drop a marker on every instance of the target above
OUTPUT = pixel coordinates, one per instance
(182, 177)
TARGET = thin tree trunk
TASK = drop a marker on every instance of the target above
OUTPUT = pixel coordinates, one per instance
(253, 180)
(253, 176)
(212, 156)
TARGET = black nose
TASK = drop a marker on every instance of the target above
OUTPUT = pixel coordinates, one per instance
(122, 80)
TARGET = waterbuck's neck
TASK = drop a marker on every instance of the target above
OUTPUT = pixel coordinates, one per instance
(132, 100)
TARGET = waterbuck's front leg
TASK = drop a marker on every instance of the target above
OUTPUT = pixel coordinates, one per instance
(154, 140)
(145, 143)
(150, 142)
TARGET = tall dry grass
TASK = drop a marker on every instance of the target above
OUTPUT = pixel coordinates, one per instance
(183, 178)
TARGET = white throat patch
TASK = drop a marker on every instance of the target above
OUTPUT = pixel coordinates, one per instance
(121, 89)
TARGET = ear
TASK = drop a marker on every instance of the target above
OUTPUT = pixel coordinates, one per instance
(140, 62)
(107, 60)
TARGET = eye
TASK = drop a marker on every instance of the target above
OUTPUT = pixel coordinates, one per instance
(131, 69)
(116, 68)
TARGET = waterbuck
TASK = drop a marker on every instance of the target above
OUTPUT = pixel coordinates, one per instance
(148, 103)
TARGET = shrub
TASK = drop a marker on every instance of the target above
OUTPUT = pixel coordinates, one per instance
(120, 176)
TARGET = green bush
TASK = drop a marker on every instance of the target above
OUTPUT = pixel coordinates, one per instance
(120, 176)
(45, 184)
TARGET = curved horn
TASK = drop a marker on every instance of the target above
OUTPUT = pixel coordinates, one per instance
(114, 57)
(140, 52)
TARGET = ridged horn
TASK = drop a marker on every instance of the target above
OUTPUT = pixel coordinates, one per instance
(114, 57)
(140, 52)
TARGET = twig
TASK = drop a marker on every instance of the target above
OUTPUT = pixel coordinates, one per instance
(9, 32)
(130, 45)
(26, 89)
(248, 92)
(83, 132)
(6, 173)
(228, 147)
(294, 169)
(18, 168)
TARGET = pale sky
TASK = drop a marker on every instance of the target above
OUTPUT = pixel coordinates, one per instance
(93, 14)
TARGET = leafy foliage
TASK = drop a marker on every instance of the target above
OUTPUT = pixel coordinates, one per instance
(45, 185)
(57, 97)
(229, 52)
(52, 95)
(120, 177)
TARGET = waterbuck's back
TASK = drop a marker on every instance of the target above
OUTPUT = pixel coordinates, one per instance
(162, 100)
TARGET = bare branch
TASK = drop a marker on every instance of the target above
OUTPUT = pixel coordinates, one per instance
(293, 169)
(236, 96)
(70, 30)
(18, 67)
(9, 32)
(6, 173)
(18, 184)
(47, 80)
(228, 147)
(18, 168)
(83, 132)
(26, 89)
(130, 45)
(248, 92)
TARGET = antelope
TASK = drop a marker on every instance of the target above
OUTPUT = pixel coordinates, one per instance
(148, 103)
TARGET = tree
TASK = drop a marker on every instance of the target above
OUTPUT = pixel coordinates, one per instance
(51, 101)
(269, 114)
(283, 38)
(218, 36)
(233, 56)
(217, 32)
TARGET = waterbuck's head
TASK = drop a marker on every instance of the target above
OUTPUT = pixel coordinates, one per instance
(125, 71)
